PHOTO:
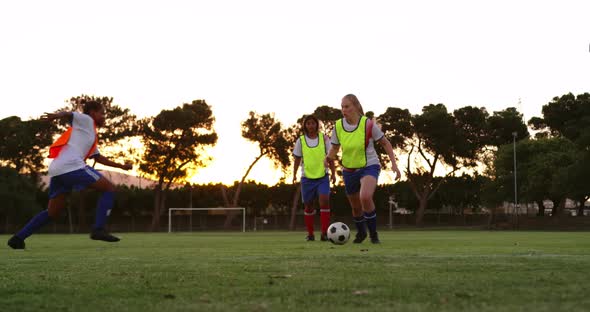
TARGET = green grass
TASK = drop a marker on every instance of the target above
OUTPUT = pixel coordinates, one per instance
(279, 271)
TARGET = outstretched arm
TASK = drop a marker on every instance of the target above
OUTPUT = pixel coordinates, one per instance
(107, 162)
(60, 115)
(389, 150)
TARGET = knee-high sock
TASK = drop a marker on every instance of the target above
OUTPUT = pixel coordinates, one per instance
(309, 215)
(325, 217)
(103, 209)
(371, 218)
(360, 224)
(35, 224)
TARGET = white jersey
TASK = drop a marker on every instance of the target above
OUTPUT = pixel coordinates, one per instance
(73, 154)
(376, 135)
(298, 150)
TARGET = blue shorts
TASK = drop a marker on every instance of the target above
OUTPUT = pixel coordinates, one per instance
(352, 179)
(73, 180)
(312, 188)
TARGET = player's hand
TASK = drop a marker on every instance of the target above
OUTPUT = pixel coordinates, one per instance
(294, 179)
(398, 174)
(327, 161)
(333, 178)
(49, 116)
(127, 166)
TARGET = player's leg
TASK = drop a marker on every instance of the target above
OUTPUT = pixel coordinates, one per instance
(105, 201)
(324, 200)
(368, 186)
(56, 206)
(103, 209)
(307, 196)
(352, 186)
(358, 218)
(308, 215)
(57, 195)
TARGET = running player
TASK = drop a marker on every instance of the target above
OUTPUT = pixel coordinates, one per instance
(68, 171)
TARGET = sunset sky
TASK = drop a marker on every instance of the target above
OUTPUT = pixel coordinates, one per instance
(289, 57)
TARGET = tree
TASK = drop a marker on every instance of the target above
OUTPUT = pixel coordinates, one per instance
(502, 124)
(568, 116)
(542, 171)
(462, 192)
(23, 144)
(434, 132)
(268, 133)
(291, 135)
(328, 116)
(436, 140)
(17, 194)
(577, 177)
(174, 142)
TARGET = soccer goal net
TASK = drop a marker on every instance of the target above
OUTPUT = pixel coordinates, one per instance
(202, 219)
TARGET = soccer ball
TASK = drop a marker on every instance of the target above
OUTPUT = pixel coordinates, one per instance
(338, 233)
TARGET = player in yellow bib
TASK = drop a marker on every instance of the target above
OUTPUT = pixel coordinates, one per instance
(310, 150)
(355, 134)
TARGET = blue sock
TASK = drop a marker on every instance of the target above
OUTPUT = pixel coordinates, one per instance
(360, 224)
(371, 218)
(103, 210)
(35, 224)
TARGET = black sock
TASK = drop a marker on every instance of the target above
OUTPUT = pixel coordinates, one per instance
(360, 225)
(371, 218)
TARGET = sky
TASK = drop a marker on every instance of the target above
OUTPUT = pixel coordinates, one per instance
(289, 57)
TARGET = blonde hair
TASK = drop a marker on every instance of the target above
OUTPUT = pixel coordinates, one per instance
(355, 101)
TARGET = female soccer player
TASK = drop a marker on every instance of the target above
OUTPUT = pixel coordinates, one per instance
(68, 171)
(356, 134)
(311, 149)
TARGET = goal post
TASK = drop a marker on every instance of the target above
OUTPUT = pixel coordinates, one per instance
(170, 210)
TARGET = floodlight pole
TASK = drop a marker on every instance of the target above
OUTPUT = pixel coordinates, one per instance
(515, 188)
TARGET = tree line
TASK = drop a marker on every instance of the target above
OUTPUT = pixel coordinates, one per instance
(460, 158)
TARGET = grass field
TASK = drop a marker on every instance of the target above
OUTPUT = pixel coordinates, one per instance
(279, 271)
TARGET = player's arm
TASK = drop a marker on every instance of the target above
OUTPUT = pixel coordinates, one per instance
(330, 163)
(332, 171)
(334, 149)
(107, 162)
(332, 153)
(59, 115)
(384, 142)
(298, 154)
(296, 164)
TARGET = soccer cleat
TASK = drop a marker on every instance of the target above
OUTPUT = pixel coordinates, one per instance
(310, 238)
(101, 234)
(375, 239)
(360, 237)
(324, 237)
(16, 242)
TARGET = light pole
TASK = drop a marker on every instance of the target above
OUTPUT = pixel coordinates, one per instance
(515, 190)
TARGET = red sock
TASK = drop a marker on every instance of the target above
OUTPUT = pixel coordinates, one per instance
(309, 221)
(325, 217)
